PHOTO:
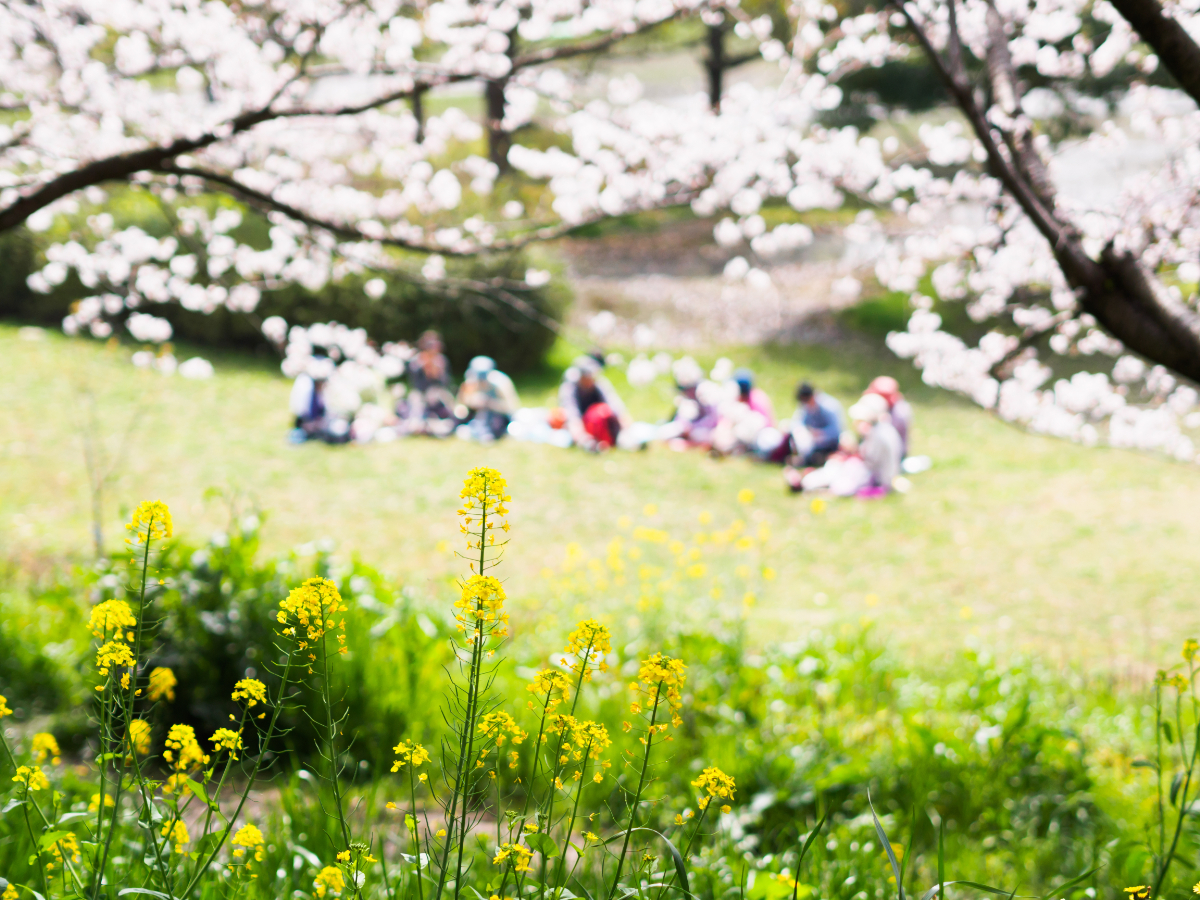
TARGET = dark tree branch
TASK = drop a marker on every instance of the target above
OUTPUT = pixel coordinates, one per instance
(1116, 289)
(1174, 46)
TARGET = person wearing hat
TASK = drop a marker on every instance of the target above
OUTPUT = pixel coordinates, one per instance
(594, 413)
(816, 427)
(487, 401)
(900, 409)
(753, 397)
(879, 445)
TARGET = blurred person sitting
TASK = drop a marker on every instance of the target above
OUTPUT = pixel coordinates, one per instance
(487, 401)
(312, 418)
(696, 407)
(594, 412)
(900, 410)
(747, 418)
(880, 447)
(816, 426)
(430, 402)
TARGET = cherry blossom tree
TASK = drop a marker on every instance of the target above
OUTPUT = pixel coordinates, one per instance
(313, 113)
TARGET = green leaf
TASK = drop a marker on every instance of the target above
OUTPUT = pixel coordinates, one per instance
(1062, 889)
(71, 817)
(680, 869)
(934, 892)
(1176, 783)
(1168, 731)
(887, 846)
(198, 789)
(1144, 764)
(50, 838)
(543, 844)
(12, 804)
(145, 891)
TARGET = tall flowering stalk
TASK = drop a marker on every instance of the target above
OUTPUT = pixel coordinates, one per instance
(480, 619)
(659, 678)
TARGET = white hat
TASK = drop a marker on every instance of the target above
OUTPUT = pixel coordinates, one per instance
(869, 408)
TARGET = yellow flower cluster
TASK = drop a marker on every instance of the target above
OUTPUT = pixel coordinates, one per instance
(409, 753)
(162, 684)
(248, 837)
(32, 777)
(4, 710)
(112, 617)
(483, 491)
(329, 882)
(151, 519)
(1190, 648)
(1138, 892)
(68, 846)
(590, 643)
(502, 727)
(480, 608)
(114, 654)
(183, 750)
(139, 737)
(176, 833)
(313, 606)
(94, 803)
(517, 854)
(227, 739)
(10, 892)
(715, 783)
(551, 686)
(657, 672)
(251, 690)
(44, 747)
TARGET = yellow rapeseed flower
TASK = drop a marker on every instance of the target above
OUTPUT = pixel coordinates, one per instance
(10, 892)
(112, 617)
(481, 606)
(1138, 892)
(745, 495)
(309, 611)
(4, 710)
(661, 671)
(409, 753)
(715, 783)
(44, 747)
(139, 736)
(113, 654)
(517, 854)
(591, 644)
(94, 803)
(32, 777)
(176, 833)
(227, 739)
(551, 686)
(248, 837)
(329, 882)
(183, 750)
(251, 690)
(162, 683)
(484, 489)
(151, 519)
(502, 727)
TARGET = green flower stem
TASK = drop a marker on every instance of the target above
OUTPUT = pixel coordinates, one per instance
(461, 773)
(412, 790)
(202, 866)
(562, 860)
(637, 797)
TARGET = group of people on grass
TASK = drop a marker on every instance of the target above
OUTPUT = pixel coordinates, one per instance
(821, 447)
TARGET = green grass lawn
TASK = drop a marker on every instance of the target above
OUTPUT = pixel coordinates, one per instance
(1013, 541)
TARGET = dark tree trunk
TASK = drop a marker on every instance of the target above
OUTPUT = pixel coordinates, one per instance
(1174, 46)
(714, 64)
(498, 139)
(418, 111)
